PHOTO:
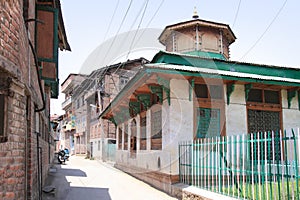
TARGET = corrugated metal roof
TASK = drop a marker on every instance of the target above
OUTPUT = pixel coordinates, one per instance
(186, 55)
(220, 72)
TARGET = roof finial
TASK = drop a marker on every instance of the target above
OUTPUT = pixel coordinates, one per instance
(195, 15)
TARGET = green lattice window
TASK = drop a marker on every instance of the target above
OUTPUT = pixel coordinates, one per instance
(156, 129)
(208, 122)
(260, 122)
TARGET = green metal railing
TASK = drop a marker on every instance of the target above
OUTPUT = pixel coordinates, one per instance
(262, 165)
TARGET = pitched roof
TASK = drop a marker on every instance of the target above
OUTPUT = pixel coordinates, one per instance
(225, 27)
(187, 65)
(230, 67)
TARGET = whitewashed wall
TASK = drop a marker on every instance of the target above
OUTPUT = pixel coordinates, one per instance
(177, 125)
(236, 112)
(290, 117)
(96, 151)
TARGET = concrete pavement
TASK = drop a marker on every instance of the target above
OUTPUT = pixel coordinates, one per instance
(87, 179)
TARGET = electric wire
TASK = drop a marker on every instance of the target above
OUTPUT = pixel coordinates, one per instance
(132, 25)
(265, 31)
(108, 29)
(122, 22)
(131, 45)
(150, 21)
(126, 37)
(143, 8)
(138, 28)
(111, 20)
(236, 14)
(114, 39)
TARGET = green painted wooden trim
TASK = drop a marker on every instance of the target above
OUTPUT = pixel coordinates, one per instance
(209, 63)
(206, 54)
(123, 92)
(135, 106)
(122, 116)
(52, 80)
(163, 82)
(229, 90)
(166, 87)
(296, 162)
(112, 119)
(55, 32)
(192, 86)
(145, 99)
(247, 90)
(298, 99)
(223, 77)
(286, 165)
(158, 91)
(54, 87)
(290, 95)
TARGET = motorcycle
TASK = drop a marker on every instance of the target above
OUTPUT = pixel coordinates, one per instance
(63, 155)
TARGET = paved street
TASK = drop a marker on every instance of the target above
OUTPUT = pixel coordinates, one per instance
(86, 179)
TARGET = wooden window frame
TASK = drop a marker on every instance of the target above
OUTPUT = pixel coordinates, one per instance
(213, 104)
(120, 140)
(262, 106)
(143, 140)
(265, 106)
(208, 85)
(157, 141)
(125, 137)
(133, 138)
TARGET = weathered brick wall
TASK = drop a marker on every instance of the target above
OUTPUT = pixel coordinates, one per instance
(18, 155)
(12, 152)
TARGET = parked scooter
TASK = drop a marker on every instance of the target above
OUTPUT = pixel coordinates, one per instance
(67, 154)
(63, 155)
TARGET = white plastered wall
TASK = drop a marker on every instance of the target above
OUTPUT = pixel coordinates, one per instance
(177, 125)
(290, 116)
(236, 112)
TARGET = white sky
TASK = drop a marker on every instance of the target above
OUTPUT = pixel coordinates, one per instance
(87, 22)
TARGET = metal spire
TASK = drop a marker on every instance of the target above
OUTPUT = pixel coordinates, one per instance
(195, 14)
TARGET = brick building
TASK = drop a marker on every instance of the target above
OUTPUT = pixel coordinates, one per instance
(68, 127)
(108, 82)
(28, 79)
(86, 96)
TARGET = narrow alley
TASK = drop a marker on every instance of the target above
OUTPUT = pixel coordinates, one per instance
(81, 178)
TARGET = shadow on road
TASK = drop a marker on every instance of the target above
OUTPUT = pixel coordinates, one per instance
(88, 193)
(64, 191)
(72, 172)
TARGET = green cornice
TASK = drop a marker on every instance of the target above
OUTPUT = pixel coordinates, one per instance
(211, 63)
(204, 54)
(166, 87)
(135, 106)
(112, 119)
(299, 100)
(223, 77)
(157, 90)
(145, 99)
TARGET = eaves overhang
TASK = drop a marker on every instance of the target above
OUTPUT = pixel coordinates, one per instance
(204, 23)
(183, 60)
